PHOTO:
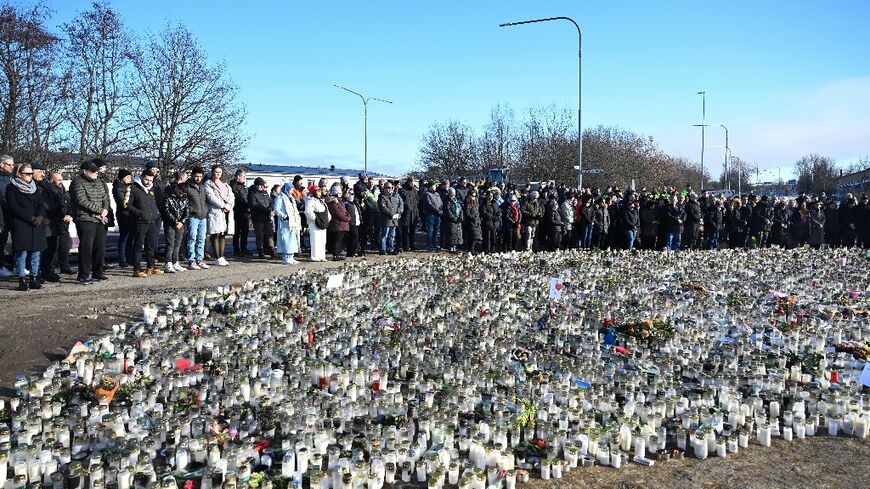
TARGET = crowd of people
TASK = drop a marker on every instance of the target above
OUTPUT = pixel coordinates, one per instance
(349, 219)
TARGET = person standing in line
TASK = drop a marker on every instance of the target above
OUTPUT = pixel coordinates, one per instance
(816, 224)
(490, 216)
(434, 212)
(90, 209)
(141, 203)
(471, 225)
(512, 226)
(532, 214)
(220, 214)
(242, 212)
(197, 223)
(339, 224)
(410, 215)
(7, 173)
(289, 224)
(259, 204)
(318, 220)
(103, 176)
(53, 219)
(453, 217)
(390, 210)
(176, 210)
(126, 223)
(153, 169)
(676, 216)
(64, 242)
(566, 212)
(24, 200)
(354, 213)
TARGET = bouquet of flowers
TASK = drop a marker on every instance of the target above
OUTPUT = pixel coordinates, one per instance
(656, 330)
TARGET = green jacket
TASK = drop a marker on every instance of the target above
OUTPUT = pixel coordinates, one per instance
(88, 198)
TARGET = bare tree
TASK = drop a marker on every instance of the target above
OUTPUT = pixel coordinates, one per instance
(497, 146)
(863, 163)
(449, 150)
(26, 54)
(816, 173)
(99, 109)
(547, 146)
(187, 108)
(739, 169)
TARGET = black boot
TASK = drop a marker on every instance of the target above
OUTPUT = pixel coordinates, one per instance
(34, 284)
(22, 285)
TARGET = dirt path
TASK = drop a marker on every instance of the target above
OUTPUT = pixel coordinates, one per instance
(40, 326)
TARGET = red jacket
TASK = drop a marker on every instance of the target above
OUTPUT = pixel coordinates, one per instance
(340, 221)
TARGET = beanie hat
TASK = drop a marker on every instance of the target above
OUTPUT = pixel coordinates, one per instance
(122, 173)
(335, 190)
(259, 181)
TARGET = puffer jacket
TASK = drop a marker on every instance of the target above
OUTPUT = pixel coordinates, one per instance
(89, 198)
(340, 221)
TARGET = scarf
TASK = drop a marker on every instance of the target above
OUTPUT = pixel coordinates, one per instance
(293, 220)
(25, 188)
(223, 188)
(148, 188)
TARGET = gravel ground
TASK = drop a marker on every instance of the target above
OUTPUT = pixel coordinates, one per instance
(39, 327)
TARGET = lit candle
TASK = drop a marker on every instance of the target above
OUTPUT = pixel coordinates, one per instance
(764, 435)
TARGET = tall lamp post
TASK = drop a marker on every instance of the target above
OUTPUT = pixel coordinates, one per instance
(365, 101)
(703, 126)
(579, 87)
(727, 161)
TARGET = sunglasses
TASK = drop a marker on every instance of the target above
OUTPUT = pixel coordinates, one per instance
(27, 173)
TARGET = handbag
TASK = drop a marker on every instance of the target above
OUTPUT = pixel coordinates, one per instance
(321, 220)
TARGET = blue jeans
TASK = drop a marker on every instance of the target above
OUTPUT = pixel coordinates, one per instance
(433, 225)
(21, 263)
(672, 241)
(713, 243)
(630, 236)
(196, 228)
(388, 239)
(586, 236)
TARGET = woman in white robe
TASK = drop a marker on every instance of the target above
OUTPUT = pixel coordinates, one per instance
(289, 224)
(316, 236)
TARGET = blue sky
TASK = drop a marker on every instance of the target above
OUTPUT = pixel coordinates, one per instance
(788, 78)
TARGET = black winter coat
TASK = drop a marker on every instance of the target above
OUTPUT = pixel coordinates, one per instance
(472, 223)
(694, 216)
(630, 219)
(490, 214)
(552, 217)
(675, 219)
(241, 194)
(54, 208)
(119, 189)
(649, 221)
(259, 204)
(27, 215)
(411, 198)
(141, 204)
(715, 218)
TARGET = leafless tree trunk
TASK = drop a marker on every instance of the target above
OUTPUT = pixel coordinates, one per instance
(187, 109)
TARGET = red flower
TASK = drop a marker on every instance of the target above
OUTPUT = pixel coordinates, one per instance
(541, 443)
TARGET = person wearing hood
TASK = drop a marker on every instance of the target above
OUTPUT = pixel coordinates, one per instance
(453, 217)
(176, 210)
(140, 202)
(26, 204)
(339, 224)
(410, 215)
(90, 210)
(390, 208)
(259, 204)
(318, 218)
(289, 224)
(126, 222)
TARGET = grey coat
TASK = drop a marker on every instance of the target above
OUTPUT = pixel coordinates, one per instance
(388, 207)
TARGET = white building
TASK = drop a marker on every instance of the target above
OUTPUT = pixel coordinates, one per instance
(278, 174)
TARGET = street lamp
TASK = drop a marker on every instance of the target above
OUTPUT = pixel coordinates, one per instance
(365, 101)
(703, 126)
(579, 87)
(727, 162)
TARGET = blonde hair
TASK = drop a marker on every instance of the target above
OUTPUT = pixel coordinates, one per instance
(21, 167)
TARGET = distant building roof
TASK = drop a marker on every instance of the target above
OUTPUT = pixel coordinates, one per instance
(309, 170)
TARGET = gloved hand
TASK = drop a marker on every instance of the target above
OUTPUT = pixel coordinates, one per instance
(36, 221)
(395, 216)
